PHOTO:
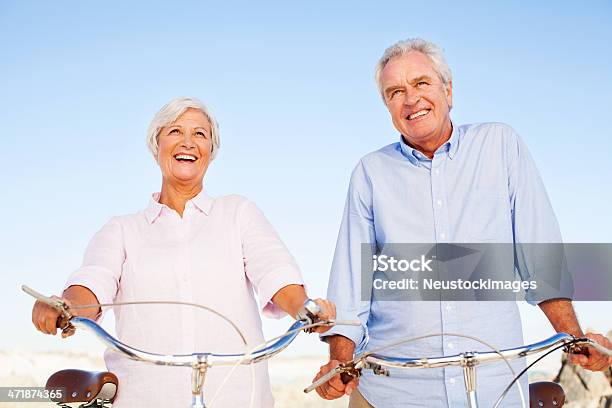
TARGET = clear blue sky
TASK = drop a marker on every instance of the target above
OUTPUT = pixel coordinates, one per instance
(291, 85)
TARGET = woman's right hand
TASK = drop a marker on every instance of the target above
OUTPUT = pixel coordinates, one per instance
(45, 317)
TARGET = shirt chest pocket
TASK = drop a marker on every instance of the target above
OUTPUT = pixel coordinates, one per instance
(488, 216)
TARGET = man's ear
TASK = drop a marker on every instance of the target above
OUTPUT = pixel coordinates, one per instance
(449, 94)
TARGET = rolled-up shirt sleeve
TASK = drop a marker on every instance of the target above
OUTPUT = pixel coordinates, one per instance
(539, 252)
(102, 264)
(345, 280)
(267, 262)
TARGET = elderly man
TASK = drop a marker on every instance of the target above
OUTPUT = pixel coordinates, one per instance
(440, 183)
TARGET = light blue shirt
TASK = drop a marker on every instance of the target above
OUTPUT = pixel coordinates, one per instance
(481, 186)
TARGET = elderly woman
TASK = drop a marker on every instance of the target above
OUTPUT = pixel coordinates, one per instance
(190, 247)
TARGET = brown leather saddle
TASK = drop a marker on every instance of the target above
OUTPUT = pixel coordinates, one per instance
(546, 395)
(93, 389)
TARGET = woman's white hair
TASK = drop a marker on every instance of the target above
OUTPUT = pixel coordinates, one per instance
(170, 112)
(403, 47)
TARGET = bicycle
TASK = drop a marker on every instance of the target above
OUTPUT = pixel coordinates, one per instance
(98, 390)
(542, 394)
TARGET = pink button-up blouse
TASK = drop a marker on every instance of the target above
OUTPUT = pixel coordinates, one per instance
(215, 255)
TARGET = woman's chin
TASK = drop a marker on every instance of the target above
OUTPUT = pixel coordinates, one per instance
(186, 178)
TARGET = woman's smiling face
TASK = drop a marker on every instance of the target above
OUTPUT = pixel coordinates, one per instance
(184, 148)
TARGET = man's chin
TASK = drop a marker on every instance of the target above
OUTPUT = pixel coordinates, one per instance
(418, 138)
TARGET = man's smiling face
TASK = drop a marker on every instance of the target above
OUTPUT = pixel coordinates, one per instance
(417, 99)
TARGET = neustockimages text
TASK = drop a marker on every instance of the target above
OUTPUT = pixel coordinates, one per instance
(385, 263)
(459, 284)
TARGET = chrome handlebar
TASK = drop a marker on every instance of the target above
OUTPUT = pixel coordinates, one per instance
(469, 358)
(306, 316)
(189, 360)
(377, 363)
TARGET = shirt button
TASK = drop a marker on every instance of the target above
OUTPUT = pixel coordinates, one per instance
(452, 380)
(451, 345)
(449, 307)
(442, 235)
(439, 202)
(436, 171)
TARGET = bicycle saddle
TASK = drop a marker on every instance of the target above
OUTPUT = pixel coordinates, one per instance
(84, 386)
(546, 395)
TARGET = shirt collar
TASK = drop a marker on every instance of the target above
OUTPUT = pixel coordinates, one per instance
(415, 156)
(453, 142)
(202, 202)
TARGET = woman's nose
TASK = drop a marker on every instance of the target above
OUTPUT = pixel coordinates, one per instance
(188, 140)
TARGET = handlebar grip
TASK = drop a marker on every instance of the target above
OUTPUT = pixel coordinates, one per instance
(346, 378)
(61, 322)
(583, 350)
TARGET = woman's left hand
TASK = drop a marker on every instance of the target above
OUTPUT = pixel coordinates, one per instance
(328, 311)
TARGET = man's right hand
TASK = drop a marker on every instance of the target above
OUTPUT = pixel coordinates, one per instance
(334, 388)
(341, 349)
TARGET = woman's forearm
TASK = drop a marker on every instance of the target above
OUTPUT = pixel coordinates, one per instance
(290, 298)
(79, 296)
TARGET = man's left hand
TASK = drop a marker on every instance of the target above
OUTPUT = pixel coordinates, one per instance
(595, 361)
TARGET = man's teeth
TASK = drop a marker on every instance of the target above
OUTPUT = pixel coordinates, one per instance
(185, 157)
(418, 114)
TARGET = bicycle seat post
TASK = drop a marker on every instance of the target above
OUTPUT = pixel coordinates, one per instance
(469, 377)
(197, 383)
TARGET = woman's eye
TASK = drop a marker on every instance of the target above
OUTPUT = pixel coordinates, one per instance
(173, 131)
(200, 134)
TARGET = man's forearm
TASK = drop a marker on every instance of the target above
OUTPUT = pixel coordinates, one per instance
(340, 348)
(561, 314)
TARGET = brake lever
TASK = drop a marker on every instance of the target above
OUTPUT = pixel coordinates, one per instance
(347, 372)
(583, 348)
(308, 313)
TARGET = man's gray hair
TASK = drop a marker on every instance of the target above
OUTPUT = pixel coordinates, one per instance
(170, 112)
(415, 44)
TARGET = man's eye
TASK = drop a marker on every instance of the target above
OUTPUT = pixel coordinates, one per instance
(421, 84)
(395, 93)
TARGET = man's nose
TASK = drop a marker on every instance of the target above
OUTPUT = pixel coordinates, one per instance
(411, 98)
